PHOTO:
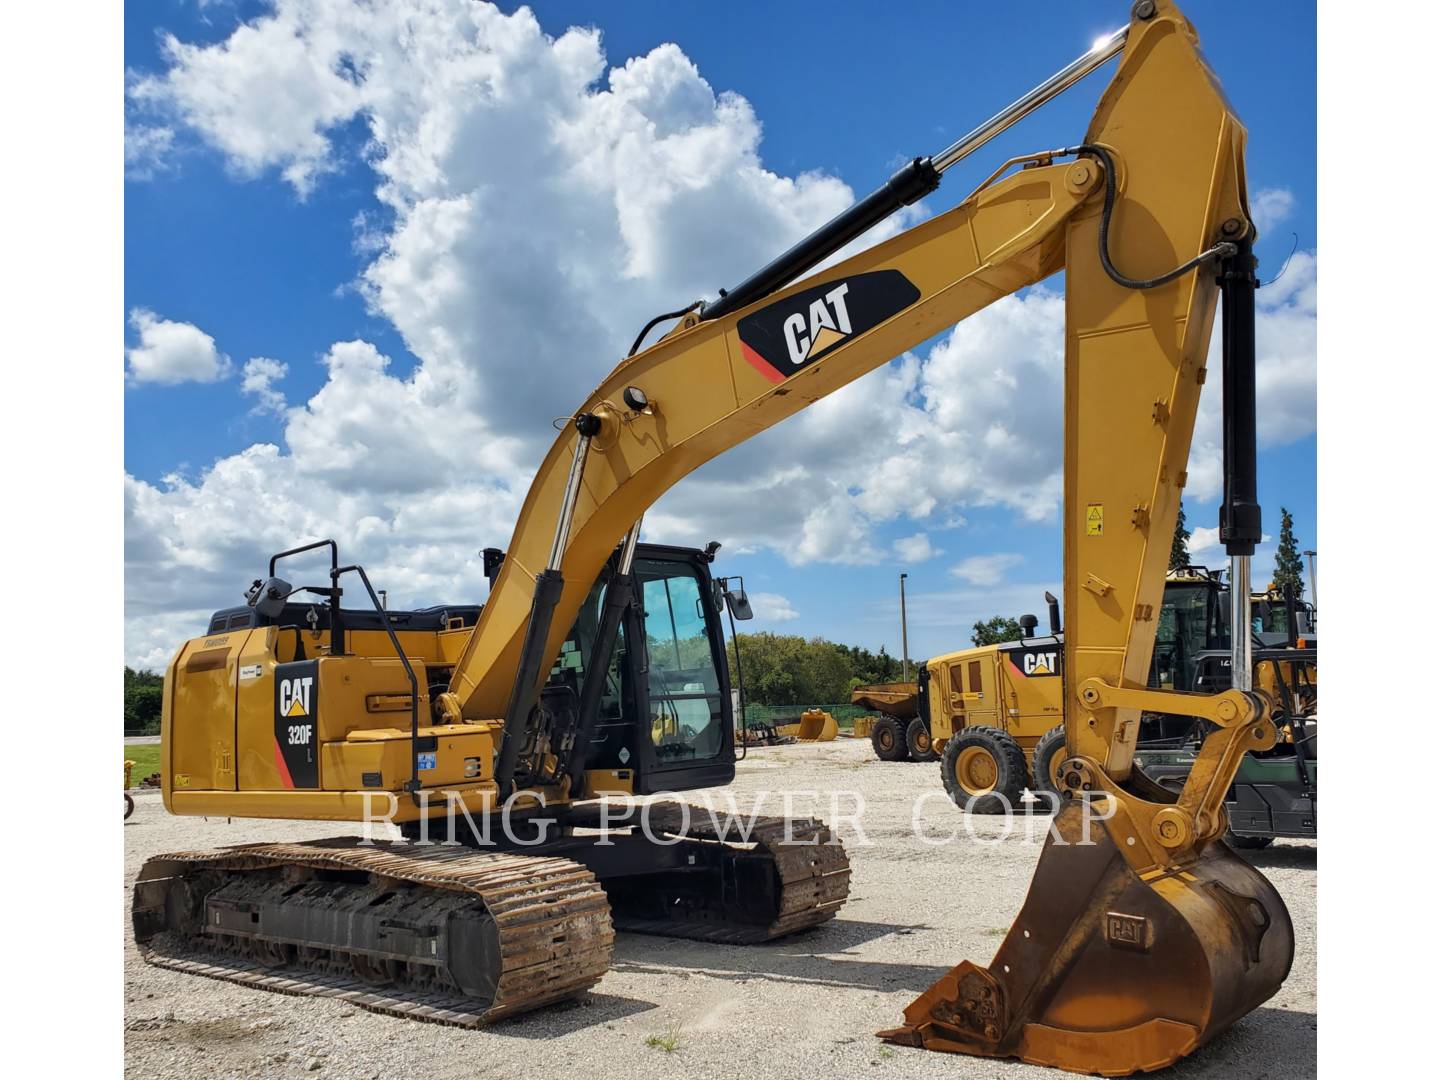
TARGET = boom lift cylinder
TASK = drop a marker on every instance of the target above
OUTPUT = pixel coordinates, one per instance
(549, 584)
(909, 184)
(618, 594)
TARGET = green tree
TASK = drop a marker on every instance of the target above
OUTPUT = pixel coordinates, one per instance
(144, 692)
(1179, 549)
(870, 667)
(992, 631)
(772, 665)
(1288, 567)
(825, 675)
(775, 687)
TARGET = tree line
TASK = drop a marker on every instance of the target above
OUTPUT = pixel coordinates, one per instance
(787, 669)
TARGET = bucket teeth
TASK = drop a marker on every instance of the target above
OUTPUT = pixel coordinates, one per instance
(1112, 971)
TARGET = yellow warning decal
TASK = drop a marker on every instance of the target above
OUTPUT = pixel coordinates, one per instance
(1095, 520)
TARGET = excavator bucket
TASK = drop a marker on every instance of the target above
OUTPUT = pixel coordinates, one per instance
(1109, 970)
(817, 725)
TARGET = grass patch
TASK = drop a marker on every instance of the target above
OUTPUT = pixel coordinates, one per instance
(669, 1042)
(147, 761)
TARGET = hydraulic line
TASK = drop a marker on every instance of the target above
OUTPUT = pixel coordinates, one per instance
(1222, 250)
(659, 319)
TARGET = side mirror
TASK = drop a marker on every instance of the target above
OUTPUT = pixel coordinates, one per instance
(268, 597)
(739, 604)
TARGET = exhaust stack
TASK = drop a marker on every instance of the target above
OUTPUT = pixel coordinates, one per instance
(1054, 606)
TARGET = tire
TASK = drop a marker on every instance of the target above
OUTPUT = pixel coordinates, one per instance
(1248, 843)
(1049, 753)
(983, 770)
(917, 741)
(888, 739)
(129, 805)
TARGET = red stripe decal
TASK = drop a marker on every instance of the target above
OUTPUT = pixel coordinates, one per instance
(760, 364)
(285, 777)
(1013, 668)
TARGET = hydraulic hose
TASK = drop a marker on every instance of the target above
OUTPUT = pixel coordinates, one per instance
(1223, 250)
(659, 319)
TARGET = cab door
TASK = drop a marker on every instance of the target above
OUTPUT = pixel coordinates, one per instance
(685, 738)
(982, 698)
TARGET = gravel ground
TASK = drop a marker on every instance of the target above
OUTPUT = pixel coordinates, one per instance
(802, 1007)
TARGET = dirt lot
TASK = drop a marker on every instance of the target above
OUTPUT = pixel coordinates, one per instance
(803, 1007)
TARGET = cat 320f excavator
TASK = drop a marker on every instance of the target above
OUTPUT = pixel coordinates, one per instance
(1143, 935)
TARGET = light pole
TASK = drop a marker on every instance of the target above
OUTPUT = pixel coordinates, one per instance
(904, 635)
(1314, 597)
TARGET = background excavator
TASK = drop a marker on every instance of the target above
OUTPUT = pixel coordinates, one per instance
(992, 714)
(1143, 935)
(1275, 793)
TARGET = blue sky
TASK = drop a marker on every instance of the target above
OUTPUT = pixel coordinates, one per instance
(220, 239)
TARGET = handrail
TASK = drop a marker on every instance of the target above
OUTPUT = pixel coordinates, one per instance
(334, 554)
(413, 784)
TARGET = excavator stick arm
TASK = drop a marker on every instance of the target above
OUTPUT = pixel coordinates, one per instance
(1143, 935)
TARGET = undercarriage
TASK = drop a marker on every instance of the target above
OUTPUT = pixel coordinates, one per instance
(456, 935)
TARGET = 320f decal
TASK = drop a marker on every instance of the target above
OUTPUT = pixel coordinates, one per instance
(297, 701)
(791, 334)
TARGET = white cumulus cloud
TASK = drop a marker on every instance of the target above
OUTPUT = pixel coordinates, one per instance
(258, 378)
(915, 549)
(171, 352)
(1203, 544)
(541, 208)
(1270, 206)
(772, 607)
(986, 570)
(146, 149)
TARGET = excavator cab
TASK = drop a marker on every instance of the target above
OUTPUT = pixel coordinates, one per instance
(665, 720)
(1191, 623)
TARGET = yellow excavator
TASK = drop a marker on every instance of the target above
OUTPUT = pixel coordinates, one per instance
(1143, 935)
